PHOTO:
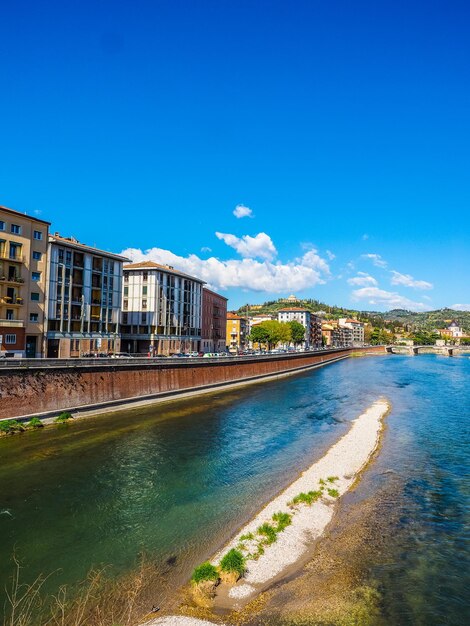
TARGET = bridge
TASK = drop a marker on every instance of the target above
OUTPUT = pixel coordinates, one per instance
(445, 350)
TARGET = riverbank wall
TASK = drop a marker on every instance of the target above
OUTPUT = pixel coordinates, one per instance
(45, 389)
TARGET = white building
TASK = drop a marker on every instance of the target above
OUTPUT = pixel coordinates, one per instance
(84, 287)
(161, 310)
(357, 330)
(311, 323)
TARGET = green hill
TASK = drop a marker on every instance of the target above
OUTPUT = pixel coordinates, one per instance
(394, 320)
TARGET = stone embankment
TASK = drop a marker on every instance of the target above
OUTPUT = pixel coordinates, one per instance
(47, 388)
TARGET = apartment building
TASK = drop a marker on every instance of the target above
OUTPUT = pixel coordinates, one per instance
(214, 317)
(84, 290)
(161, 310)
(311, 323)
(237, 331)
(23, 256)
(357, 330)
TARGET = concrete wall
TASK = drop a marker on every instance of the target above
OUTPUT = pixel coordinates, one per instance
(38, 389)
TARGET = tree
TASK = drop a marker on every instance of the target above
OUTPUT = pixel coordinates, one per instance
(285, 333)
(297, 332)
(271, 333)
(259, 334)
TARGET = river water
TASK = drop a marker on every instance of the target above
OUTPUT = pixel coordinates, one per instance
(175, 480)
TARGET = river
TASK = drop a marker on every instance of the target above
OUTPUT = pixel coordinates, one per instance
(175, 480)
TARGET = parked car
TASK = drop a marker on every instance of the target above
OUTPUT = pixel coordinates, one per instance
(122, 355)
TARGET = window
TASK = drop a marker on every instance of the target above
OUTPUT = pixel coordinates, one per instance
(33, 317)
(10, 314)
(36, 276)
(126, 291)
(145, 276)
(37, 256)
(144, 304)
(10, 339)
(125, 304)
(144, 318)
(144, 290)
(37, 234)
(35, 296)
(2, 225)
(126, 278)
(16, 230)
(124, 318)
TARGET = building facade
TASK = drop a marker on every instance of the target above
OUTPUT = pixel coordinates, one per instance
(357, 330)
(83, 299)
(237, 331)
(214, 318)
(23, 258)
(311, 323)
(161, 310)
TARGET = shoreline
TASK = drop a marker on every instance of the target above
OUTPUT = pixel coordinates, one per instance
(344, 461)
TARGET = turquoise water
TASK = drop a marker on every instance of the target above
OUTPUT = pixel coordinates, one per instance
(176, 480)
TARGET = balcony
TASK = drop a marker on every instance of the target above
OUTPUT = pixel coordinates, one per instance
(11, 301)
(11, 280)
(11, 323)
(15, 258)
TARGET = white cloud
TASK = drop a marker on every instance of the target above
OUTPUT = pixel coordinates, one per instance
(389, 299)
(461, 307)
(376, 259)
(330, 255)
(251, 247)
(314, 261)
(363, 280)
(206, 249)
(242, 211)
(409, 281)
(247, 273)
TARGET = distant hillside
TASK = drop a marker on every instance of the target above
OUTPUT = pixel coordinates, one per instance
(391, 320)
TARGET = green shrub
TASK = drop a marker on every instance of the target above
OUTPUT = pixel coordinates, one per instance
(332, 479)
(259, 552)
(233, 561)
(247, 537)
(282, 520)
(63, 417)
(34, 422)
(203, 572)
(307, 498)
(322, 482)
(334, 493)
(11, 426)
(268, 532)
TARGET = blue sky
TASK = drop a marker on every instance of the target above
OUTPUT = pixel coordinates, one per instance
(343, 126)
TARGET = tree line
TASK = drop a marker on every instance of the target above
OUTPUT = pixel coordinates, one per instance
(270, 333)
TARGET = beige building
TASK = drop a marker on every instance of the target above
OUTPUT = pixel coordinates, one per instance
(161, 310)
(357, 330)
(23, 257)
(237, 331)
(83, 299)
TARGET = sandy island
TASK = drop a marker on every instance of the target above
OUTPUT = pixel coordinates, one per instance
(344, 460)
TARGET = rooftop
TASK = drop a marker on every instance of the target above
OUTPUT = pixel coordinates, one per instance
(234, 316)
(71, 242)
(24, 215)
(151, 265)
